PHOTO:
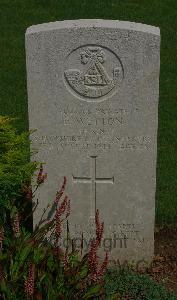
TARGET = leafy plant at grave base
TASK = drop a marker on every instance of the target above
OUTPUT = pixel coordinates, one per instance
(15, 168)
(127, 284)
(31, 267)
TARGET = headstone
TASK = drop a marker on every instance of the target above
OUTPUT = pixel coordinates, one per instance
(93, 90)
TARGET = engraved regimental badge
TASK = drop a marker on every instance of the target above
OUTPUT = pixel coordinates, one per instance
(92, 72)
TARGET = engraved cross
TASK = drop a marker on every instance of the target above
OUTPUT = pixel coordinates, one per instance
(93, 179)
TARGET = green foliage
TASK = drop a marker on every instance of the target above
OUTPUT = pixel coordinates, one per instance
(64, 274)
(15, 168)
(139, 287)
(47, 270)
(17, 15)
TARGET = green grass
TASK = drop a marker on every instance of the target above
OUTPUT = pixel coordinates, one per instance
(17, 15)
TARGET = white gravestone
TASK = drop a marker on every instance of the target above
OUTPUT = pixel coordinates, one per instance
(93, 89)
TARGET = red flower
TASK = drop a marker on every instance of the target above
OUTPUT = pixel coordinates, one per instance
(63, 208)
(59, 193)
(58, 227)
(93, 260)
(29, 283)
(96, 272)
(41, 176)
(103, 267)
(99, 227)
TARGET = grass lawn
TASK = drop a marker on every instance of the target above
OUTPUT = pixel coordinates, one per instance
(17, 15)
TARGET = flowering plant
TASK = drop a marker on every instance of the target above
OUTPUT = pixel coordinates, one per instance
(31, 267)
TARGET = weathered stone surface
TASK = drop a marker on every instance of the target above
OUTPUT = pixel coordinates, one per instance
(93, 97)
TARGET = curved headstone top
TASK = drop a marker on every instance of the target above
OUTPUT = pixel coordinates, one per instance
(93, 88)
(93, 23)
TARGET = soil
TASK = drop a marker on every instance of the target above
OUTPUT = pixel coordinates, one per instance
(164, 267)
